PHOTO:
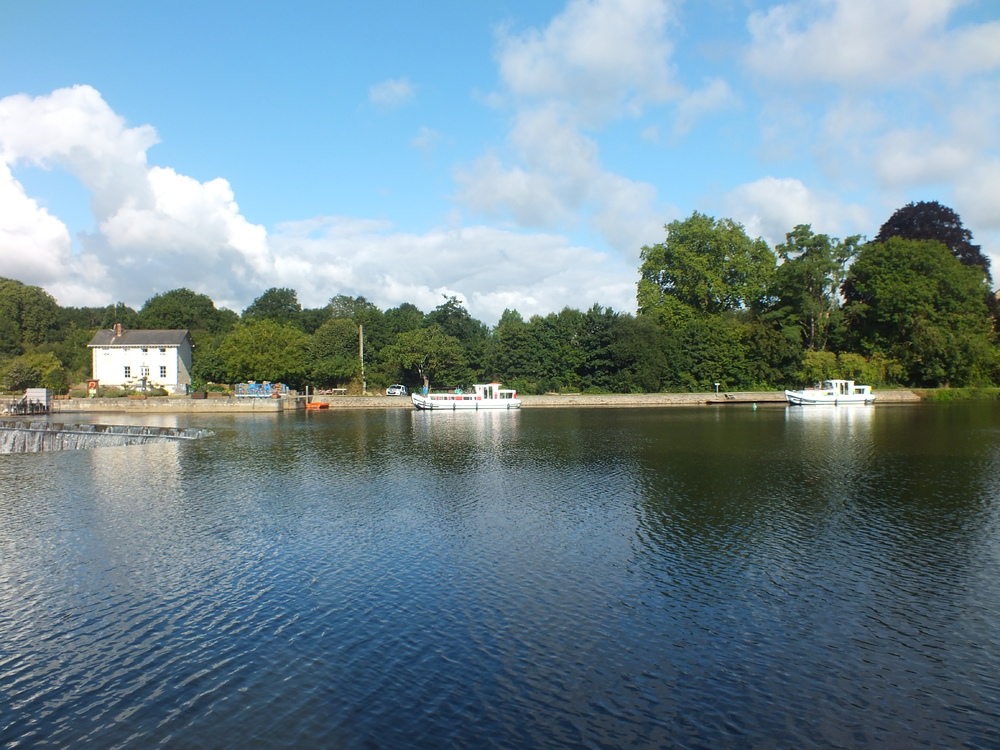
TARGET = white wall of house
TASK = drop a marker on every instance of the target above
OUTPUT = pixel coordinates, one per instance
(167, 366)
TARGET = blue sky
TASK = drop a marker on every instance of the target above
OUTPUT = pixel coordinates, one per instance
(516, 154)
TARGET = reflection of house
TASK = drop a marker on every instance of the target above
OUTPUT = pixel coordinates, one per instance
(138, 359)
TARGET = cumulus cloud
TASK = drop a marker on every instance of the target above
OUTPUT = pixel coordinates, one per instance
(864, 43)
(491, 268)
(595, 62)
(714, 96)
(772, 206)
(604, 56)
(558, 179)
(156, 230)
(391, 93)
(33, 243)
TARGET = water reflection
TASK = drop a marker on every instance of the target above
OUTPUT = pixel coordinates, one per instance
(565, 578)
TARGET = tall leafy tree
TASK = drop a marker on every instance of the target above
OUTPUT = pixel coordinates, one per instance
(281, 305)
(913, 302)
(929, 220)
(406, 317)
(181, 309)
(265, 350)
(28, 316)
(334, 353)
(510, 354)
(455, 320)
(707, 266)
(807, 283)
(432, 353)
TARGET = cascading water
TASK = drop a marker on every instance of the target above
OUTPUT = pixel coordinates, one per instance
(30, 437)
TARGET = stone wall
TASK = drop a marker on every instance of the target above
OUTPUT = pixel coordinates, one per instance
(175, 405)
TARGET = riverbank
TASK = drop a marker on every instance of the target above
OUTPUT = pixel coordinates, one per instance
(295, 403)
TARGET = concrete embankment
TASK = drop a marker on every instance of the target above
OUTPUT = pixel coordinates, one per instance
(612, 399)
(271, 405)
(173, 405)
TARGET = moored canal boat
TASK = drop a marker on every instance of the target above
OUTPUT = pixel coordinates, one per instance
(832, 393)
(484, 396)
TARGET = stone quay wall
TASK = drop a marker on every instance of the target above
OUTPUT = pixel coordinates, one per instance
(167, 404)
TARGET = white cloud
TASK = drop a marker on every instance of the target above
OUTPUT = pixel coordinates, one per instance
(864, 43)
(557, 181)
(491, 268)
(715, 96)
(74, 129)
(157, 230)
(603, 56)
(391, 93)
(33, 243)
(771, 207)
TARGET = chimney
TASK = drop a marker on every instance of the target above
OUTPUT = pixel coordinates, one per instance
(118, 330)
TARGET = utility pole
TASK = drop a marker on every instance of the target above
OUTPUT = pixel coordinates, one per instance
(361, 355)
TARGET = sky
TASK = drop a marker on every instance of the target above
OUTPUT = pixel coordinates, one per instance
(516, 154)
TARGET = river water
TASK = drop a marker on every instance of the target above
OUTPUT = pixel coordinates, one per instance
(550, 578)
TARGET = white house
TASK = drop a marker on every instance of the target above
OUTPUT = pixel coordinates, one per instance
(142, 359)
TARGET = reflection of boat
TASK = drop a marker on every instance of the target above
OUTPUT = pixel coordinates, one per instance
(833, 392)
(487, 396)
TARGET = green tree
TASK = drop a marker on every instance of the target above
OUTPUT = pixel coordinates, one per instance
(28, 316)
(455, 320)
(280, 305)
(404, 318)
(181, 309)
(706, 265)
(333, 353)
(431, 352)
(19, 375)
(913, 302)
(265, 350)
(929, 220)
(807, 284)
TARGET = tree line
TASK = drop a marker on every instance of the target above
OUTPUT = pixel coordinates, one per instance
(912, 307)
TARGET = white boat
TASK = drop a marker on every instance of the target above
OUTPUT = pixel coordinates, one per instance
(485, 396)
(832, 392)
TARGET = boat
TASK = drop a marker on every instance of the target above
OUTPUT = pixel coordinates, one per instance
(316, 405)
(832, 392)
(484, 396)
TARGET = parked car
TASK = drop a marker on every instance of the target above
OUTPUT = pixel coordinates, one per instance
(396, 390)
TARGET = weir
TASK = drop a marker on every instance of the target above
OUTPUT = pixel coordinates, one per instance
(20, 436)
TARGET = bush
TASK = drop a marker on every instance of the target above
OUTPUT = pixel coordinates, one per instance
(960, 394)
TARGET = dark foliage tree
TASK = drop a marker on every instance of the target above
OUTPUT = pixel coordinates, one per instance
(452, 317)
(929, 220)
(913, 302)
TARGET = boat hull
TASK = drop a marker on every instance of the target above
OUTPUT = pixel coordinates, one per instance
(805, 398)
(462, 403)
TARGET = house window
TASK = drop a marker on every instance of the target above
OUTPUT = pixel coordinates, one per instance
(128, 371)
(163, 371)
(144, 350)
(144, 371)
(162, 350)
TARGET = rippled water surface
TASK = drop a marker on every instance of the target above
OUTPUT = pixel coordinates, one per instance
(693, 578)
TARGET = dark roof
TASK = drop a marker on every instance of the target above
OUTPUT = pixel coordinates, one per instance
(138, 338)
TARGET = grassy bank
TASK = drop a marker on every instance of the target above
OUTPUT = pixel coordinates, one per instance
(958, 394)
